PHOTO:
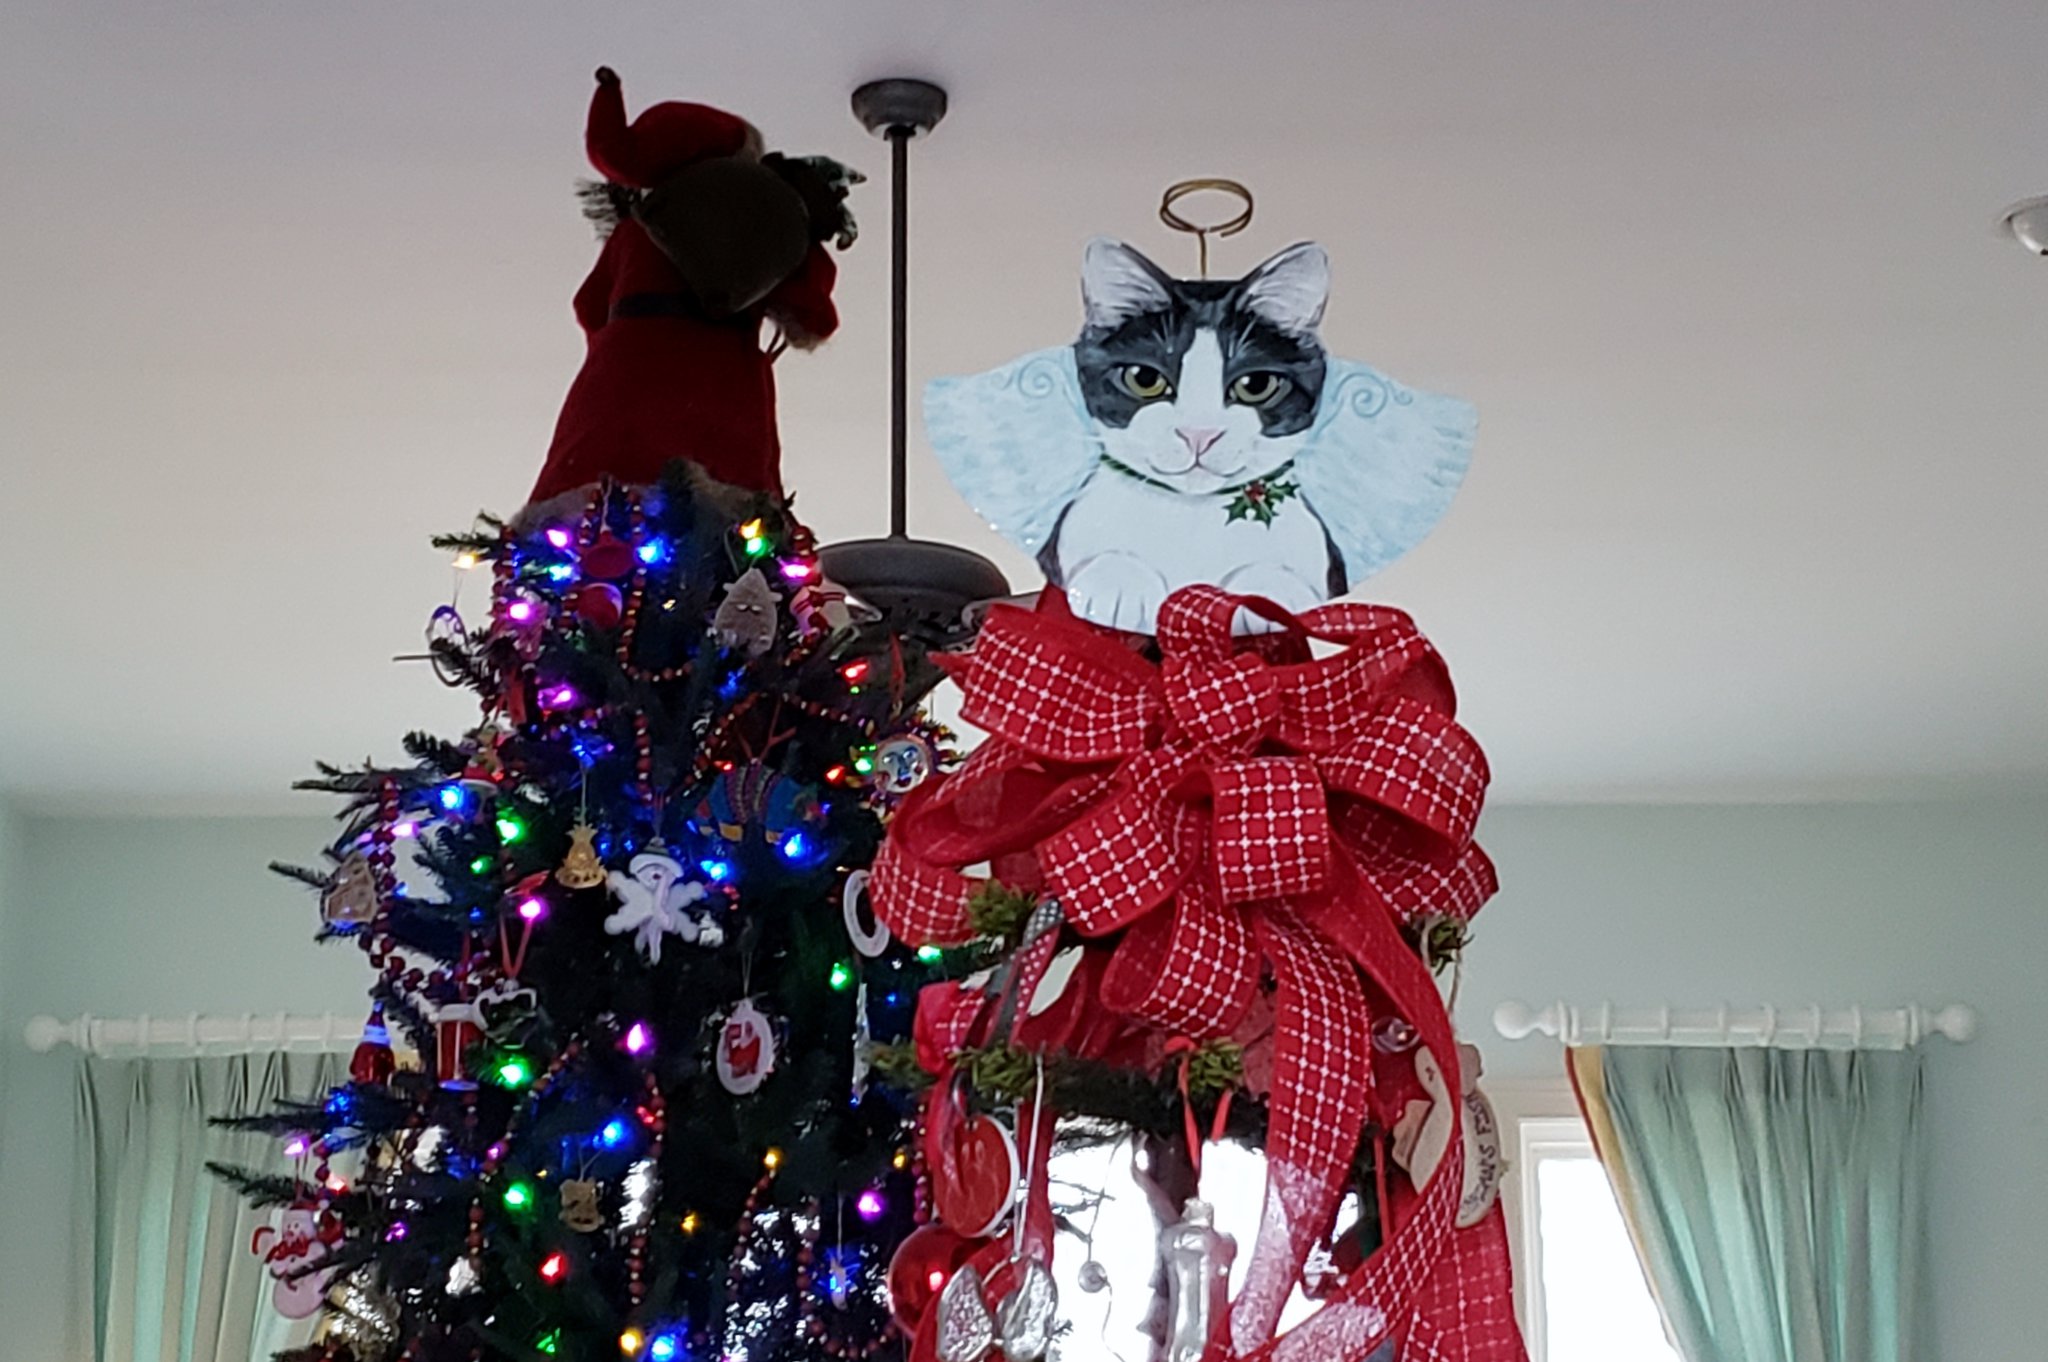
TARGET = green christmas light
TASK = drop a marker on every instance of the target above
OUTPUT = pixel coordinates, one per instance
(514, 1072)
(864, 760)
(510, 829)
(930, 955)
(842, 976)
(518, 1196)
(480, 866)
(549, 1342)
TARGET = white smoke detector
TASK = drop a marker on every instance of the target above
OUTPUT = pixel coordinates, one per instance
(2027, 223)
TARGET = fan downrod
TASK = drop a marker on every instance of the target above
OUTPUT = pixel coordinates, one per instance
(919, 589)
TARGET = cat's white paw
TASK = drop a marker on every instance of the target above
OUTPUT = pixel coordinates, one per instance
(1120, 590)
(1281, 585)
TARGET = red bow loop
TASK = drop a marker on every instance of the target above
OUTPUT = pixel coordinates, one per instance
(1272, 828)
(1058, 688)
(1195, 623)
(1229, 704)
(1193, 971)
(1113, 865)
(919, 901)
(1416, 762)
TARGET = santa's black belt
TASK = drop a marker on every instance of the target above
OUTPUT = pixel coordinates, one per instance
(658, 305)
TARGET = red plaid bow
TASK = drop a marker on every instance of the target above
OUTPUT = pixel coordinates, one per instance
(1241, 809)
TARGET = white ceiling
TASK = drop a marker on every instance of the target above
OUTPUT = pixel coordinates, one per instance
(1756, 506)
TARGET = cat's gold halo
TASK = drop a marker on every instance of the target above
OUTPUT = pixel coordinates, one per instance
(1229, 226)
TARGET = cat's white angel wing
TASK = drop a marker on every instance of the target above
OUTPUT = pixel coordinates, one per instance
(1381, 463)
(1015, 441)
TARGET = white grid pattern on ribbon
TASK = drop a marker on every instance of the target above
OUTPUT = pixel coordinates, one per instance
(1221, 703)
(1048, 702)
(1466, 1311)
(1384, 707)
(919, 903)
(1194, 977)
(1325, 1067)
(1116, 863)
(1417, 762)
(1272, 826)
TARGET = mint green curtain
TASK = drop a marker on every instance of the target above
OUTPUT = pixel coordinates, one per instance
(161, 1246)
(1775, 1197)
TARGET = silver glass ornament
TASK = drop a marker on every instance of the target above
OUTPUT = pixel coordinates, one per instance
(1197, 1261)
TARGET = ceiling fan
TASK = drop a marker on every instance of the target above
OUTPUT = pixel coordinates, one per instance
(920, 590)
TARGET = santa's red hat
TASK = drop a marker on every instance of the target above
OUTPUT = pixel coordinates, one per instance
(665, 137)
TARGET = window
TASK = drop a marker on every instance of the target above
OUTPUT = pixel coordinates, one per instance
(1581, 1295)
(1580, 1291)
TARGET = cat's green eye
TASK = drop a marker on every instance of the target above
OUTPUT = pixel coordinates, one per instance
(1258, 388)
(1143, 382)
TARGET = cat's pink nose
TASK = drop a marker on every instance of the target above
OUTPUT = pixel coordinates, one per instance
(1199, 440)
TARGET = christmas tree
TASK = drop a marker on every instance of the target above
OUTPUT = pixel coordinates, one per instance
(620, 927)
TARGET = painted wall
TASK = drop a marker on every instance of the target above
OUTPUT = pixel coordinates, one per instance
(118, 917)
(1832, 903)
(1875, 904)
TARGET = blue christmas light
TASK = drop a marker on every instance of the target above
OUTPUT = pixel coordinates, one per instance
(795, 847)
(664, 1347)
(614, 1133)
(719, 871)
(560, 572)
(653, 551)
(453, 798)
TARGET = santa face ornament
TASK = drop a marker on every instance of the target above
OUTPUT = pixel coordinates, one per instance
(746, 1050)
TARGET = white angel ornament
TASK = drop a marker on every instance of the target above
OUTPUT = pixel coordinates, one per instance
(1198, 432)
(653, 897)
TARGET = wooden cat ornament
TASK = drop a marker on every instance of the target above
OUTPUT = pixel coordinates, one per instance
(1197, 431)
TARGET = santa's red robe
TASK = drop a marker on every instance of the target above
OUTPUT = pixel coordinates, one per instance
(660, 380)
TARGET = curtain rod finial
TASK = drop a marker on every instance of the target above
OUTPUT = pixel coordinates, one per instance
(43, 1034)
(1958, 1022)
(1515, 1019)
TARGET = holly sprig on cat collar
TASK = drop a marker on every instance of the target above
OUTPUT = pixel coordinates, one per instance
(1261, 499)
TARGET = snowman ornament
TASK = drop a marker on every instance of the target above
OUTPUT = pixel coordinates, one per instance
(653, 897)
(302, 1237)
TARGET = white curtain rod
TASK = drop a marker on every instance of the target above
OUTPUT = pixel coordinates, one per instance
(246, 1034)
(1812, 1027)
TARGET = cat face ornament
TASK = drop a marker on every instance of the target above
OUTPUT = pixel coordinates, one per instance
(1198, 432)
